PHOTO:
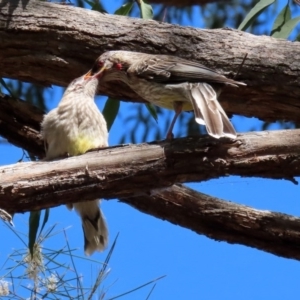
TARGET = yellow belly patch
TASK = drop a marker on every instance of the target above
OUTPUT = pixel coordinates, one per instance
(80, 146)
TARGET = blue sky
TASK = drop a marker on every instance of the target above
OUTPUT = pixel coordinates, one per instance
(195, 267)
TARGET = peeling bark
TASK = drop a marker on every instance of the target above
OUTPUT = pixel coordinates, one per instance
(20, 124)
(224, 221)
(131, 170)
(220, 220)
(68, 39)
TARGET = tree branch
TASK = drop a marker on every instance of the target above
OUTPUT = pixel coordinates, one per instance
(20, 124)
(113, 173)
(272, 84)
(68, 39)
(224, 221)
(271, 232)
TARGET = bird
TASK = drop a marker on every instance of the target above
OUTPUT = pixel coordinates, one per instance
(170, 82)
(71, 129)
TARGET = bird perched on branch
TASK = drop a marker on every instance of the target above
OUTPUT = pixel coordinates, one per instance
(170, 82)
(73, 128)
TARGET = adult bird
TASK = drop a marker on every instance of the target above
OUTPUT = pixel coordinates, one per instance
(73, 128)
(170, 82)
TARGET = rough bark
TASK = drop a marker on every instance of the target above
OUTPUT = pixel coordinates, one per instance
(61, 38)
(224, 221)
(219, 220)
(20, 124)
(113, 173)
(68, 39)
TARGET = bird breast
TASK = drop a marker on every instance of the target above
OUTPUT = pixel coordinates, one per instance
(74, 128)
(160, 94)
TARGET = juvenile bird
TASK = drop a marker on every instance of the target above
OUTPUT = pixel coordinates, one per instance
(170, 82)
(73, 128)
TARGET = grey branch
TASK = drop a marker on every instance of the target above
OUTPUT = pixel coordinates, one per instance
(20, 124)
(113, 173)
(271, 232)
(224, 221)
(68, 39)
(146, 184)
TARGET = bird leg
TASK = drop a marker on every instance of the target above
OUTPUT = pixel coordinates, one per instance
(178, 109)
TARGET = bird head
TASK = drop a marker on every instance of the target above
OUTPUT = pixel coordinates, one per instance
(82, 85)
(106, 63)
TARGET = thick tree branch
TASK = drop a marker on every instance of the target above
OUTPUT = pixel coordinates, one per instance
(20, 124)
(62, 36)
(220, 220)
(68, 39)
(224, 221)
(131, 170)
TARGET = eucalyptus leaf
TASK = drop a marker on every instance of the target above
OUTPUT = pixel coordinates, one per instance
(152, 109)
(110, 111)
(146, 10)
(282, 18)
(34, 221)
(286, 29)
(124, 10)
(96, 5)
(46, 217)
(254, 13)
(3, 83)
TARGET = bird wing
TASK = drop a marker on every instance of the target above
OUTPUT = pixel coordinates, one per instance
(209, 112)
(169, 69)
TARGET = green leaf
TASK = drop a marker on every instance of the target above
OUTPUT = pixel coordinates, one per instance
(110, 111)
(282, 18)
(124, 10)
(46, 217)
(6, 87)
(96, 5)
(152, 109)
(146, 10)
(286, 29)
(34, 221)
(254, 13)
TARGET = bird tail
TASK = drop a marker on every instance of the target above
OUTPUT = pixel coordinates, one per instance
(94, 226)
(209, 112)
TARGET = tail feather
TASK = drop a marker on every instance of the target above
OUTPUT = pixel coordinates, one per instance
(94, 226)
(209, 112)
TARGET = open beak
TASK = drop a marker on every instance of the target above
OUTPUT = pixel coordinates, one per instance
(88, 75)
(91, 74)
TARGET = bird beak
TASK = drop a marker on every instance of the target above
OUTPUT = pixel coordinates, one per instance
(90, 74)
(99, 73)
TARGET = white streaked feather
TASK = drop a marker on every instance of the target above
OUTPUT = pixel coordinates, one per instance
(209, 112)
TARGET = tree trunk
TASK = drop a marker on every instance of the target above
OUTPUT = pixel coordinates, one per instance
(68, 39)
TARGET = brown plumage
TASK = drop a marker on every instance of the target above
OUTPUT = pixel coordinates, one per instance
(170, 82)
(73, 128)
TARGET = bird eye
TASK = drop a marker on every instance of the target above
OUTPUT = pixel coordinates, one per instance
(118, 66)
